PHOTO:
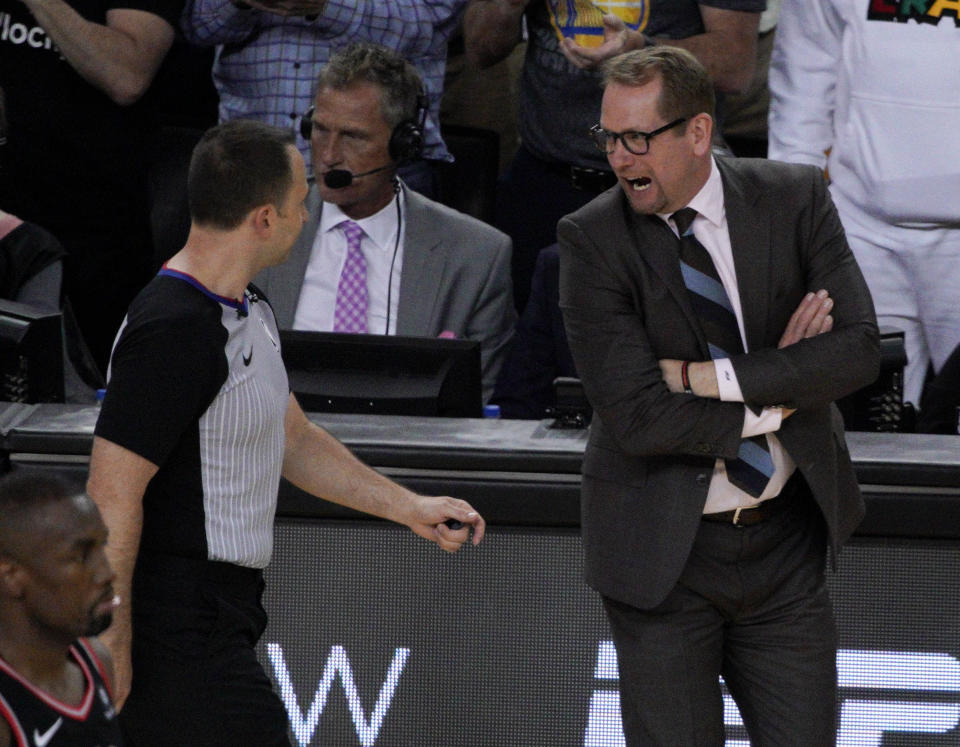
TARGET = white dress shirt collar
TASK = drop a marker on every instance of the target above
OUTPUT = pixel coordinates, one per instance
(380, 228)
(708, 202)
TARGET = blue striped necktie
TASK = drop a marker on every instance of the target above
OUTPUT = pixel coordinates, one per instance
(753, 467)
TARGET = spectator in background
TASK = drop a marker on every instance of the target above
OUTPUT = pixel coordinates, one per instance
(31, 272)
(186, 104)
(485, 99)
(877, 85)
(56, 592)
(745, 114)
(417, 268)
(940, 406)
(30, 258)
(270, 51)
(557, 169)
(75, 162)
(30, 264)
(539, 351)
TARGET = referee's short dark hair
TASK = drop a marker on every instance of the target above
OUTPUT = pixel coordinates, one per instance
(237, 166)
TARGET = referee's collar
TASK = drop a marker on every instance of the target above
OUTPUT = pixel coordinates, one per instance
(242, 305)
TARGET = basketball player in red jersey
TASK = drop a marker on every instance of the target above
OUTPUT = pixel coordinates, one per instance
(56, 590)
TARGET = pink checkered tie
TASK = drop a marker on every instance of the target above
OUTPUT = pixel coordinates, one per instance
(350, 312)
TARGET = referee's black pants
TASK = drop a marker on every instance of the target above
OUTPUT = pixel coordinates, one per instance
(196, 677)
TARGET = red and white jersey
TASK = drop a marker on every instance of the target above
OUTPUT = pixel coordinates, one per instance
(37, 719)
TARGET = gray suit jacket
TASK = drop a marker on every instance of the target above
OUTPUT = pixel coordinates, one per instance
(456, 277)
(648, 462)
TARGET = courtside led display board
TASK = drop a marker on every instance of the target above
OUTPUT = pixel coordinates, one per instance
(379, 638)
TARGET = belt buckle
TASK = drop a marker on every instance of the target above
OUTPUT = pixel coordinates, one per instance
(736, 515)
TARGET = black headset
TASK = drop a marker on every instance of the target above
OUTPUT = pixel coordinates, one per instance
(406, 139)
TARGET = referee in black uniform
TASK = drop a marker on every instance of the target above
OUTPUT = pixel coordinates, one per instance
(197, 427)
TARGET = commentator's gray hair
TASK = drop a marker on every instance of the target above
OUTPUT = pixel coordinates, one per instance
(399, 82)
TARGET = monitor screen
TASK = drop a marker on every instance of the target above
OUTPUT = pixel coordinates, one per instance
(333, 372)
(31, 354)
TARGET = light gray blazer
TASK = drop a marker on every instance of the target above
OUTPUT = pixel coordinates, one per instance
(456, 277)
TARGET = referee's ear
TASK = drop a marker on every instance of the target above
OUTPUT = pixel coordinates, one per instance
(262, 220)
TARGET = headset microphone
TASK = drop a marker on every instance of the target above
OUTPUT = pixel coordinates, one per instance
(340, 178)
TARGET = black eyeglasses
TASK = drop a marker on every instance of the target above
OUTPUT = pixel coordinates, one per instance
(636, 142)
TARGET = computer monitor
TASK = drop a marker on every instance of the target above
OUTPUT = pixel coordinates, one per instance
(31, 354)
(381, 374)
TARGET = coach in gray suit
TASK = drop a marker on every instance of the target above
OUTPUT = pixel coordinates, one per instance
(427, 270)
(701, 576)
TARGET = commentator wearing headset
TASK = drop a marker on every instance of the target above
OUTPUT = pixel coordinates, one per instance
(374, 256)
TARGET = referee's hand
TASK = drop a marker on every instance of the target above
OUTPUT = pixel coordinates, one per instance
(429, 517)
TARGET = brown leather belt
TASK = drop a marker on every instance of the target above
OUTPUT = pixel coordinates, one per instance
(747, 517)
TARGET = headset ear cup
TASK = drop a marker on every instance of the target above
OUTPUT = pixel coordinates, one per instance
(406, 142)
(306, 124)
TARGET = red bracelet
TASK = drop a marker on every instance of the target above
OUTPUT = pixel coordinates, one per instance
(685, 378)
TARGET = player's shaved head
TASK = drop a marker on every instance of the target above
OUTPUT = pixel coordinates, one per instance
(55, 579)
(23, 500)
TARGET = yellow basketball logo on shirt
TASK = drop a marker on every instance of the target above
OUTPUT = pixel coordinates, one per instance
(922, 11)
(582, 20)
